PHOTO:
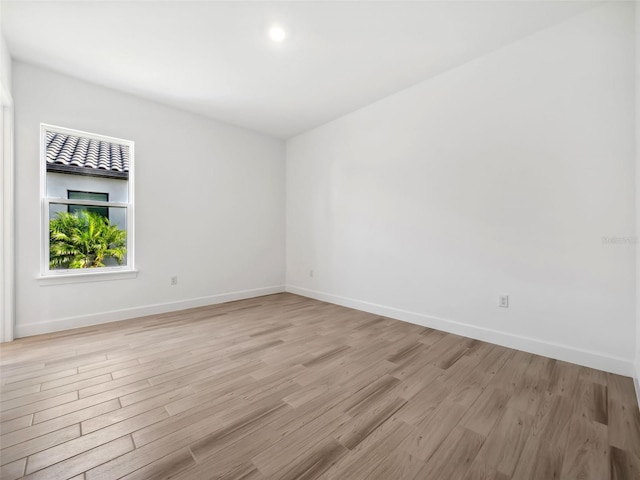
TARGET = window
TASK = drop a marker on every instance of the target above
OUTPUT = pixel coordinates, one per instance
(101, 197)
(87, 203)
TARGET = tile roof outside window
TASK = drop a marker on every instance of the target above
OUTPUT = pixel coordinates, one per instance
(72, 151)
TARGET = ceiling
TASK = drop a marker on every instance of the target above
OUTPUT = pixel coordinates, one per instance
(216, 59)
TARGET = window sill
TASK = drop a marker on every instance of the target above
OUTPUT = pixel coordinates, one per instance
(85, 277)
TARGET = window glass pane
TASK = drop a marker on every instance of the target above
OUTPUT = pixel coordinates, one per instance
(102, 211)
(80, 238)
(76, 195)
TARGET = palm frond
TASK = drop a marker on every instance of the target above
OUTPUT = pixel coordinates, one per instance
(84, 240)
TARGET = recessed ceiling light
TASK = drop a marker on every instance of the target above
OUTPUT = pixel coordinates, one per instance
(277, 34)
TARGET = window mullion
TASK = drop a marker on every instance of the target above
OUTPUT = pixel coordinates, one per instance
(89, 203)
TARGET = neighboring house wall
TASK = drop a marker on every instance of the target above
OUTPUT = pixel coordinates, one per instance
(59, 183)
(501, 176)
(209, 205)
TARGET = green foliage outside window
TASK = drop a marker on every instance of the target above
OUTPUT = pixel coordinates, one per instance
(84, 240)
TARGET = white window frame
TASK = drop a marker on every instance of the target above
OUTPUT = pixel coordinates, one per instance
(49, 276)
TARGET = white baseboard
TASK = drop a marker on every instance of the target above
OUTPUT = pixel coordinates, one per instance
(618, 365)
(30, 329)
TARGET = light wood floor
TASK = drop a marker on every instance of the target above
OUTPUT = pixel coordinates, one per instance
(283, 387)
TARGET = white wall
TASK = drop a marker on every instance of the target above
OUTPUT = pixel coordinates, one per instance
(498, 177)
(5, 64)
(6, 195)
(209, 205)
(637, 125)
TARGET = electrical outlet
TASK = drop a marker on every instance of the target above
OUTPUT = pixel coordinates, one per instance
(503, 301)
(174, 280)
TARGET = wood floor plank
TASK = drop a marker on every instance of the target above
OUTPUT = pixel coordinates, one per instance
(623, 464)
(363, 459)
(77, 359)
(587, 451)
(109, 384)
(425, 401)
(286, 387)
(397, 464)
(19, 369)
(479, 471)
(39, 444)
(624, 417)
(15, 424)
(57, 423)
(429, 433)
(13, 470)
(544, 451)
(245, 471)
(531, 390)
(130, 411)
(111, 369)
(486, 411)
(503, 446)
(10, 395)
(74, 447)
(356, 430)
(564, 378)
(232, 459)
(244, 426)
(160, 443)
(79, 404)
(166, 467)
(371, 396)
(85, 461)
(43, 394)
(591, 401)
(310, 463)
(285, 455)
(454, 456)
(36, 378)
(39, 406)
(127, 462)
